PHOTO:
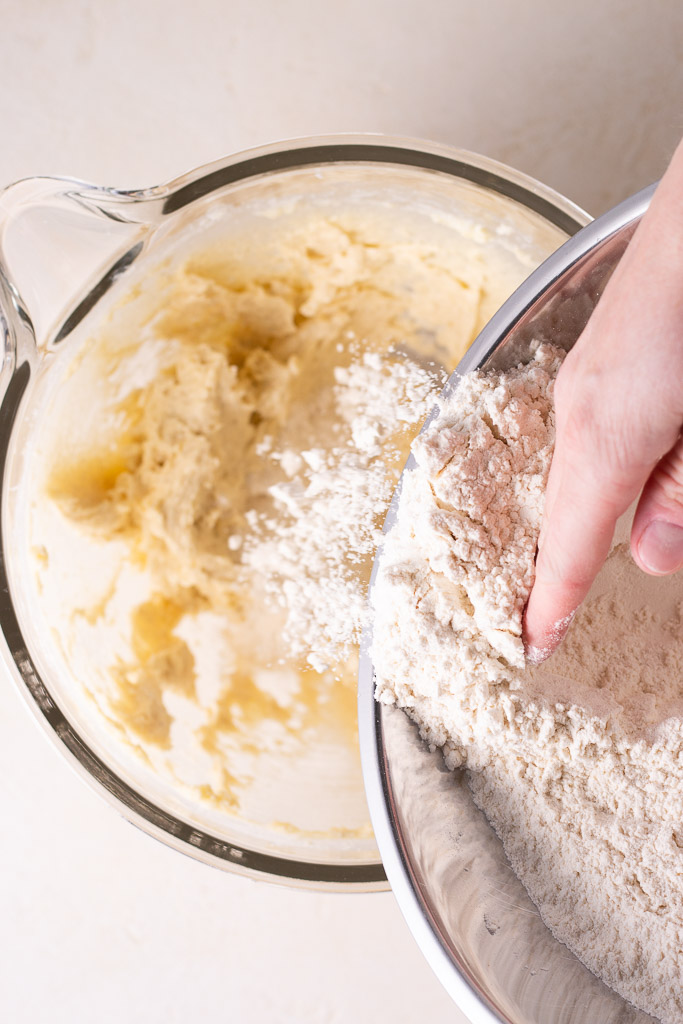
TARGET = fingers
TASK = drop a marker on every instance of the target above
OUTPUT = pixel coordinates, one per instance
(602, 457)
(613, 423)
(619, 409)
(657, 532)
(580, 526)
(576, 539)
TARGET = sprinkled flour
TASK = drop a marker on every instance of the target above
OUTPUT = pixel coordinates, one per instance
(578, 763)
(314, 552)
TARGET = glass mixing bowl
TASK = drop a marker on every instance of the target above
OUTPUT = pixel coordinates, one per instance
(70, 253)
(466, 908)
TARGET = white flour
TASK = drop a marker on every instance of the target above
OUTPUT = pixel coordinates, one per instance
(315, 553)
(578, 763)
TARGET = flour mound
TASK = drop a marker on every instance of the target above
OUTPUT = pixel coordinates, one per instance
(458, 567)
(578, 763)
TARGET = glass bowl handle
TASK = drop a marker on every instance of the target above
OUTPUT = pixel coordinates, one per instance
(58, 237)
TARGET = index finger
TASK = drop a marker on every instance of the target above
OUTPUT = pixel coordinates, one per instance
(617, 402)
(577, 534)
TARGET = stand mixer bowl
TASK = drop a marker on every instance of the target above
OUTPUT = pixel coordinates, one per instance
(67, 251)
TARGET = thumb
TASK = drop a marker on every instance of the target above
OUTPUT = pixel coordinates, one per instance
(657, 532)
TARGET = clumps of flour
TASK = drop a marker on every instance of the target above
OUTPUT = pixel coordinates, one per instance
(314, 551)
(577, 763)
(458, 567)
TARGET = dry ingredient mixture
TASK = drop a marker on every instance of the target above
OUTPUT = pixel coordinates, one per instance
(577, 763)
(257, 425)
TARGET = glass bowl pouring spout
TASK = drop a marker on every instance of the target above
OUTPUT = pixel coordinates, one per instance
(62, 244)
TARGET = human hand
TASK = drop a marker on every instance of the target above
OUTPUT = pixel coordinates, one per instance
(619, 416)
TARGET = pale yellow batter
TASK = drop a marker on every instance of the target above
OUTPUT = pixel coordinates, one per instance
(259, 396)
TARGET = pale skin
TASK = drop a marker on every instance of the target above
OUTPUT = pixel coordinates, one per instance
(619, 416)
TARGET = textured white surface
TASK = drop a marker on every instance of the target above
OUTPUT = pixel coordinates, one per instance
(99, 922)
(585, 96)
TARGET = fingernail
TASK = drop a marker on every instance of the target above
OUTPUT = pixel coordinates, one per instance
(661, 547)
(537, 654)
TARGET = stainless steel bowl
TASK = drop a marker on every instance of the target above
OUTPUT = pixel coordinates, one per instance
(469, 913)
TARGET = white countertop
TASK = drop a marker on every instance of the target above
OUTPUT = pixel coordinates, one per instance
(98, 922)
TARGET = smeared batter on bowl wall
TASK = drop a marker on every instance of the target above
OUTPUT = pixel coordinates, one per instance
(257, 427)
